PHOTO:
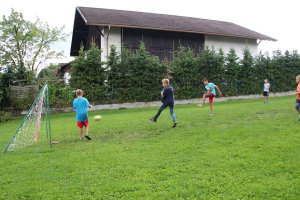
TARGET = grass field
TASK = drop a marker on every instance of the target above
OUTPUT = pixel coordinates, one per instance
(248, 150)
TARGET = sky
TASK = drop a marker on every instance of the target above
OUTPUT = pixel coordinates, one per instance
(275, 18)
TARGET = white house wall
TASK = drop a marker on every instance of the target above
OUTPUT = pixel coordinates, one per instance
(103, 46)
(112, 36)
(226, 43)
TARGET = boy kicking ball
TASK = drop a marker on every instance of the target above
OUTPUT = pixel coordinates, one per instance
(298, 96)
(81, 105)
(167, 98)
(210, 94)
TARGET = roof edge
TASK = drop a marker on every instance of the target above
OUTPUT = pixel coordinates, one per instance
(77, 8)
(153, 13)
(185, 31)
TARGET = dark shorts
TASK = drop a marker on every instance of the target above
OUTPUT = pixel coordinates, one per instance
(266, 94)
(297, 104)
(82, 124)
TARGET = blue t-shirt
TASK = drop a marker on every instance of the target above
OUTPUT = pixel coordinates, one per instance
(211, 85)
(80, 105)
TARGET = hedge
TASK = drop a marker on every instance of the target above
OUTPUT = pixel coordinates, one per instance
(135, 75)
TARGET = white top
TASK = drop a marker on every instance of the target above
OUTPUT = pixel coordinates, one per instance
(266, 87)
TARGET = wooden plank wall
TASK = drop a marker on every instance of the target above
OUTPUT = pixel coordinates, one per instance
(18, 93)
(162, 43)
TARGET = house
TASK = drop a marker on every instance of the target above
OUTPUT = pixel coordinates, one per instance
(63, 72)
(162, 34)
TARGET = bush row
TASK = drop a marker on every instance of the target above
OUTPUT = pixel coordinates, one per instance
(135, 75)
(234, 75)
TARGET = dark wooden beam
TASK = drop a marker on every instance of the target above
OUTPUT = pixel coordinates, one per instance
(100, 31)
(79, 31)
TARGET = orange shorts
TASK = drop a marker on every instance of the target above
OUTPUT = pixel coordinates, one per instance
(82, 124)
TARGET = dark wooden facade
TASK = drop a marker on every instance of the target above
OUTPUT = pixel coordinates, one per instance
(161, 43)
(80, 34)
(158, 42)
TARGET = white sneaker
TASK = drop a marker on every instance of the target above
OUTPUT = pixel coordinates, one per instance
(200, 105)
(212, 114)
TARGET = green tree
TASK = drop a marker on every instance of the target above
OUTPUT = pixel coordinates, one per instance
(263, 65)
(88, 74)
(60, 95)
(1, 88)
(291, 69)
(134, 76)
(48, 72)
(184, 73)
(124, 84)
(210, 65)
(146, 73)
(247, 74)
(232, 69)
(219, 76)
(25, 45)
(115, 75)
(6, 78)
(278, 64)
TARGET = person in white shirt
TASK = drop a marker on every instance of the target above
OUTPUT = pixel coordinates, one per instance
(266, 91)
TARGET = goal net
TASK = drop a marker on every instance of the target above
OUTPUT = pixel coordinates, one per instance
(38, 115)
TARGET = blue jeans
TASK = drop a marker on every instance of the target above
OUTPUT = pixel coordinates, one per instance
(164, 106)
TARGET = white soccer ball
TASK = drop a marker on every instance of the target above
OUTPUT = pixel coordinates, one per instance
(97, 117)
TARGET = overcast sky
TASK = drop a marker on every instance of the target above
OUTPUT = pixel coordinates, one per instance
(278, 19)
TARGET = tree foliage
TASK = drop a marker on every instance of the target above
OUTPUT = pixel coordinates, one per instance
(115, 74)
(88, 74)
(135, 75)
(234, 75)
(232, 69)
(247, 75)
(48, 72)
(25, 45)
(184, 73)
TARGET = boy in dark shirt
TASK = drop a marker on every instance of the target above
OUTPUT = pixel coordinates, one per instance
(167, 98)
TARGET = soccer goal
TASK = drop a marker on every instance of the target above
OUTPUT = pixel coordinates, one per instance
(38, 115)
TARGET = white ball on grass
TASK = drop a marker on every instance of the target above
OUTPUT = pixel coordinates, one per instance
(97, 117)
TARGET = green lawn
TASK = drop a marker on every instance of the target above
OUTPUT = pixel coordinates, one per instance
(248, 150)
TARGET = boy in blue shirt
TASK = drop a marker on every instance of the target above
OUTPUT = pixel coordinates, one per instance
(210, 93)
(167, 98)
(81, 105)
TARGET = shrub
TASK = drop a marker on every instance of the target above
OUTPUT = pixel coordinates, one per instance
(185, 74)
(60, 96)
(5, 116)
(232, 70)
(136, 77)
(88, 74)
